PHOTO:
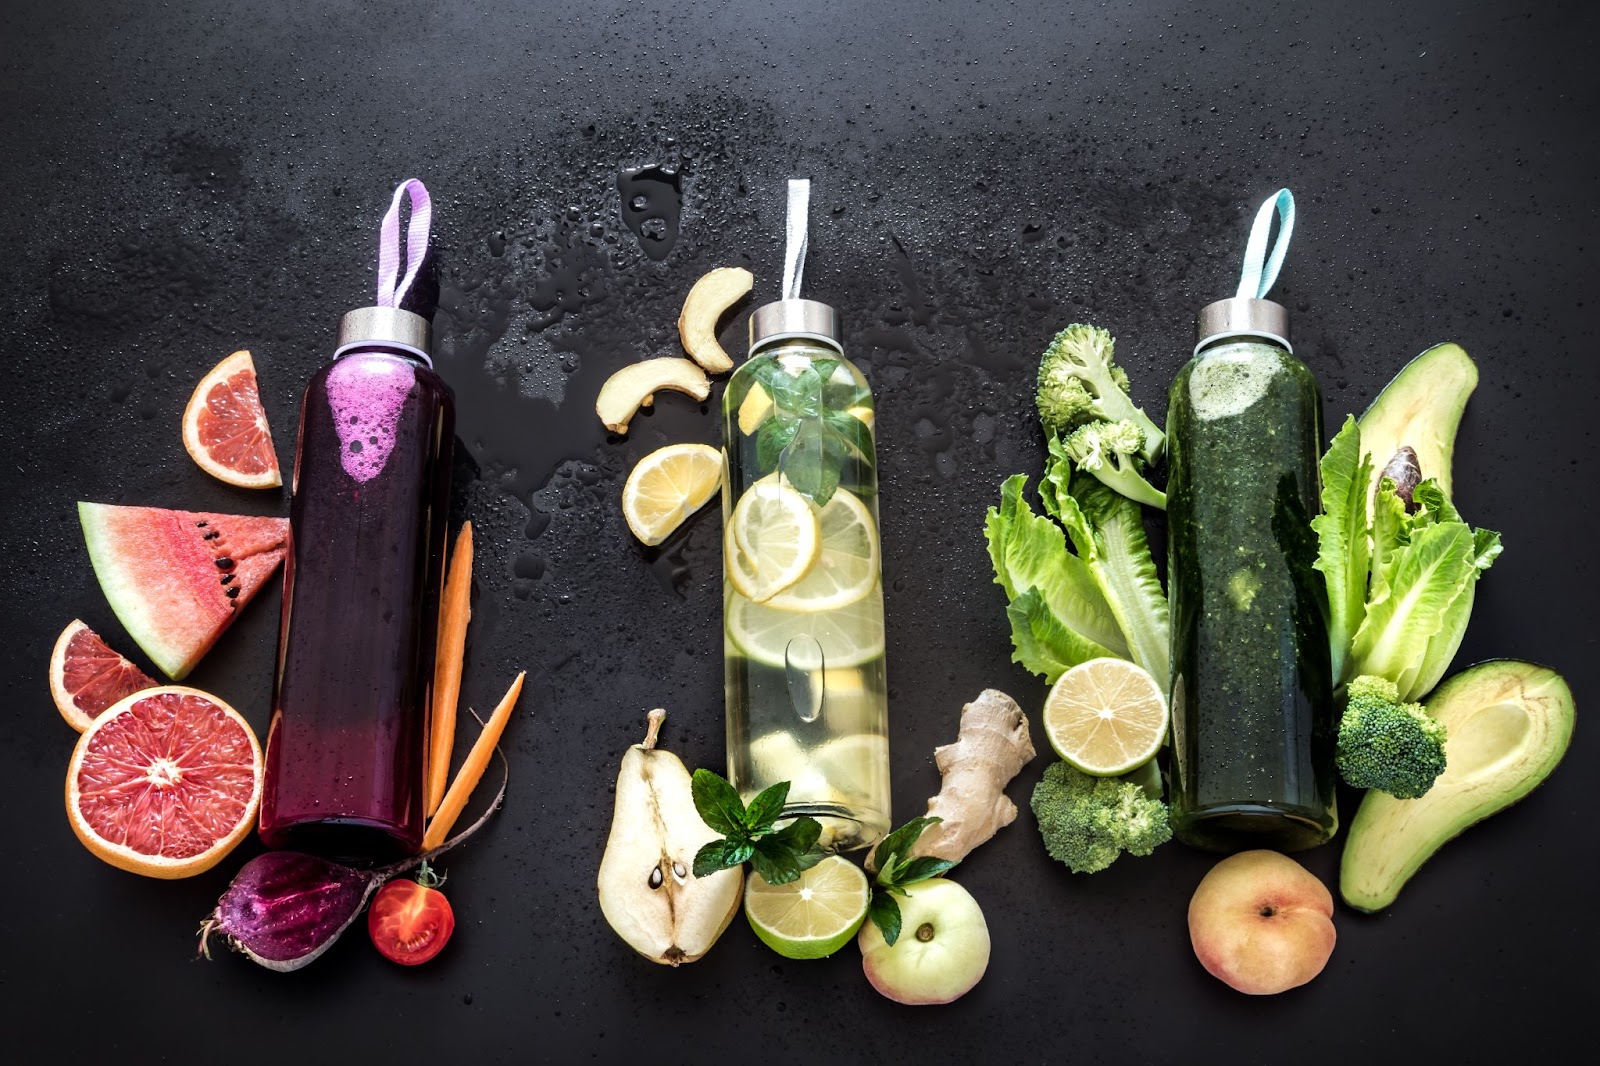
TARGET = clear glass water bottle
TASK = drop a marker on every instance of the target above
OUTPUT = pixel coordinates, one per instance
(807, 695)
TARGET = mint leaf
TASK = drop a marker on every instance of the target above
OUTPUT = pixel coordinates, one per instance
(766, 807)
(773, 862)
(851, 431)
(771, 439)
(719, 805)
(896, 870)
(779, 855)
(720, 855)
(798, 394)
(922, 868)
(896, 844)
(800, 837)
(884, 913)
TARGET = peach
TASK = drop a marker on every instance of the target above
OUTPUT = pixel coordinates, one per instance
(1261, 923)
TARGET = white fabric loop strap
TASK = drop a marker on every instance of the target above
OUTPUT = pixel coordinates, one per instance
(1261, 269)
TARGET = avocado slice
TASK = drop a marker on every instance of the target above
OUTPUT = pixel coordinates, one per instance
(1421, 409)
(1507, 724)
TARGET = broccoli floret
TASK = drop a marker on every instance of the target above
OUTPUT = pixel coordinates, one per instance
(1087, 821)
(1078, 383)
(1110, 451)
(1387, 744)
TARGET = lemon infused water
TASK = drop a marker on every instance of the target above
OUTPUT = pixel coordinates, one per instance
(803, 633)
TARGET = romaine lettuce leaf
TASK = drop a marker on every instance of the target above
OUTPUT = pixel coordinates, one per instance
(1029, 552)
(1344, 554)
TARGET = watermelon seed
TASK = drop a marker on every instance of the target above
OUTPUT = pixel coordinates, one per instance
(233, 592)
(224, 563)
(226, 578)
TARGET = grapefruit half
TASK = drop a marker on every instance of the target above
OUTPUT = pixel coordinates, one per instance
(87, 675)
(165, 783)
(225, 427)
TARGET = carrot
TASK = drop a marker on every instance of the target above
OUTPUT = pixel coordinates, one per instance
(454, 610)
(471, 771)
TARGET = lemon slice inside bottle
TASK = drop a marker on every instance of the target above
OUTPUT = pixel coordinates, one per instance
(848, 636)
(847, 563)
(772, 541)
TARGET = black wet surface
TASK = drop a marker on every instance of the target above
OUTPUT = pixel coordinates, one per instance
(183, 182)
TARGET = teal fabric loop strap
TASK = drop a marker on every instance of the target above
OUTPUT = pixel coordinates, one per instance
(1261, 269)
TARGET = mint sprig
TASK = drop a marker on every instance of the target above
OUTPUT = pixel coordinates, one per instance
(897, 869)
(778, 855)
(813, 433)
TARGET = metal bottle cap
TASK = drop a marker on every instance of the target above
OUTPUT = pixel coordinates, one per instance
(1242, 317)
(385, 327)
(795, 318)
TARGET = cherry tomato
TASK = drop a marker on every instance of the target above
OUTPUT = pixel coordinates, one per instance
(409, 923)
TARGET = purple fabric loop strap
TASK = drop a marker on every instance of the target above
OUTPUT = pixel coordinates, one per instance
(391, 287)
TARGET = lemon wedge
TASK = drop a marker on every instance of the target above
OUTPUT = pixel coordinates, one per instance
(667, 486)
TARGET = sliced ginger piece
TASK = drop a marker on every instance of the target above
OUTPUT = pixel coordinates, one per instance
(708, 300)
(635, 386)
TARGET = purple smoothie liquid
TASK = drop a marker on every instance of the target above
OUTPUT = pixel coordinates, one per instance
(347, 746)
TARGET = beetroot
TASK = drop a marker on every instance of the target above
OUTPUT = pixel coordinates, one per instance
(284, 908)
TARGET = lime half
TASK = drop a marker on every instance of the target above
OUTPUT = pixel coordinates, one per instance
(813, 917)
(1106, 716)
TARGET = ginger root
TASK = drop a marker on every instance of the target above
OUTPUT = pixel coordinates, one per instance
(991, 748)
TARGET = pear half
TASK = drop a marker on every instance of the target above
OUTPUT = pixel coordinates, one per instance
(648, 891)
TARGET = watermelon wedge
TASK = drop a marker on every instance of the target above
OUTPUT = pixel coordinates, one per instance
(177, 579)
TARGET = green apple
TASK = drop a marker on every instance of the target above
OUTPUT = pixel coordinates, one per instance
(942, 950)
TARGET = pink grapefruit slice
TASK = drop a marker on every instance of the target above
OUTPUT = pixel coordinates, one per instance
(165, 783)
(87, 675)
(225, 427)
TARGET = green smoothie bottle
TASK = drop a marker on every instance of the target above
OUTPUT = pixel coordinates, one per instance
(1253, 718)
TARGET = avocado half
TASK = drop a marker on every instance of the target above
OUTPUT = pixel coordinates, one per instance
(1421, 408)
(1507, 724)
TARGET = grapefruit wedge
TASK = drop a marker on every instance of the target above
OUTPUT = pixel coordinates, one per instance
(177, 579)
(87, 675)
(225, 427)
(165, 783)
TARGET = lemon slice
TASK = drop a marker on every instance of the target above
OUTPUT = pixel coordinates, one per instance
(667, 486)
(849, 636)
(847, 563)
(1106, 716)
(755, 409)
(812, 917)
(772, 541)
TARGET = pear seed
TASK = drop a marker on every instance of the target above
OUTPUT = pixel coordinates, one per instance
(679, 871)
(655, 877)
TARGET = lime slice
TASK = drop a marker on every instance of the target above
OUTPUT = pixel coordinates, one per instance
(849, 636)
(667, 486)
(847, 562)
(812, 917)
(1106, 716)
(773, 539)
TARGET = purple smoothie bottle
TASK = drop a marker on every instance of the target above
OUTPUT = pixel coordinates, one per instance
(348, 741)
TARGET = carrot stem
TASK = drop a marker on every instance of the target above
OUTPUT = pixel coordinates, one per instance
(471, 772)
(455, 609)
